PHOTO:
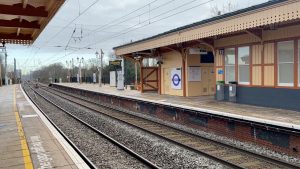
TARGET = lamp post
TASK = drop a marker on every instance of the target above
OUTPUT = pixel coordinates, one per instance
(69, 73)
(81, 60)
(100, 57)
(3, 47)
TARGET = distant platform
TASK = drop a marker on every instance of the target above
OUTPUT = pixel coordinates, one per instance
(27, 139)
(207, 104)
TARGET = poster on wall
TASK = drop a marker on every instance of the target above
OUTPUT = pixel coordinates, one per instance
(120, 80)
(176, 78)
(94, 78)
(194, 74)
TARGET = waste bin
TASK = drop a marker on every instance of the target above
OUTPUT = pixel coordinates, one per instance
(220, 91)
(232, 91)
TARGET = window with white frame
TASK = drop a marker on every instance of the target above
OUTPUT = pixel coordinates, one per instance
(229, 64)
(150, 62)
(299, 63)
(243, 65)
(285, 54)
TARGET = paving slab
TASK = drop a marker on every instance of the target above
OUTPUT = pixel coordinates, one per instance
(26, 141)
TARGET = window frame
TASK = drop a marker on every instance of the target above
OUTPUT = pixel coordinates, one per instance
(278, 64)
(298, 59)
(229, 65)
(238, 65)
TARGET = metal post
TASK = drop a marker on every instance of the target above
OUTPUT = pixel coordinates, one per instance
(101, 66)
(0, 72)
(68, 76)
(123, 71)
(80, 61)
(135, 72)
(68, 70)
(15, 71)
(72, 67)
(79, 71)
(5, 68)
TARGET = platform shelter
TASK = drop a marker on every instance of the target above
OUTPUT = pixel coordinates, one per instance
(257, 47)
(22, 21)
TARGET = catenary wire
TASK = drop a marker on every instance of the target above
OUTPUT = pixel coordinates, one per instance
(122, 33)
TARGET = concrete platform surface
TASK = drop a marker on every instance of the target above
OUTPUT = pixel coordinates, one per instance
(271, 116)
(26, 141)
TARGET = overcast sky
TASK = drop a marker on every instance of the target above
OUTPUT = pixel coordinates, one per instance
(106, 24)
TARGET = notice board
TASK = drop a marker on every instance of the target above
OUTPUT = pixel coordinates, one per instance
(194, 73)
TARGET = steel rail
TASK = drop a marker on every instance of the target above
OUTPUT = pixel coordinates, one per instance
(252, 123)
(115, 142)
(259, 156)
(80, 153)
(229, 164)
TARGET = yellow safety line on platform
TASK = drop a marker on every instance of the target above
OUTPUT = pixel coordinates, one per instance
(26, 154)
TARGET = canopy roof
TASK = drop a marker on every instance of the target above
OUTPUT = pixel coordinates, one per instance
(260, 17)
(22, 21)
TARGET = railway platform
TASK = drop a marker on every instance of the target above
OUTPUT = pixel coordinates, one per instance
(27, 139)
(276, 129)
(265, 115)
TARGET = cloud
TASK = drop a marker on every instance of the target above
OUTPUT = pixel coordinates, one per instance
(46, 49)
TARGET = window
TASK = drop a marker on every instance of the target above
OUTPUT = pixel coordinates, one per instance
(229, 64)
(243, 65)
(285, 55)
(299, 63)
(150, 62)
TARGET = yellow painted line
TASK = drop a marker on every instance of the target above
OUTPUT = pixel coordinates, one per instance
(26, 154)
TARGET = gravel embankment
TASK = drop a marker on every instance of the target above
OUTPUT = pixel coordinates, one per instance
(163, 153)
(243, 145)
(100, 151)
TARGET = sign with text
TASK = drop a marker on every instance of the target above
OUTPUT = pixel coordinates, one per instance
(196, 51)
(115, 64)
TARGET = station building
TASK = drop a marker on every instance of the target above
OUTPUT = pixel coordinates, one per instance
(258, 47)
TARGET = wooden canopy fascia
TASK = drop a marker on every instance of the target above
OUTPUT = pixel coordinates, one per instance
(279, 13)
(23, 22)
(16, 23)
(15, 36)
(23, 9)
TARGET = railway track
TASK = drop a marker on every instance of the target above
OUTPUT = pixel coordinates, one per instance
(223, 153)
(143, 160)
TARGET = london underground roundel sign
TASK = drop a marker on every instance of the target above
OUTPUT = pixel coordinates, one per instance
(176, 80)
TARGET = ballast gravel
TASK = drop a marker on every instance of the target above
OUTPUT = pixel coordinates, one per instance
(163, 153)
(243, 145)
(100, 151)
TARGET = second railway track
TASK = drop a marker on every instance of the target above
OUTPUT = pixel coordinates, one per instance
(144, 162)
(227, 155)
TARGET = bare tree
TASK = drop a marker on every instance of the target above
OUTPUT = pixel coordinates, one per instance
(228, 6)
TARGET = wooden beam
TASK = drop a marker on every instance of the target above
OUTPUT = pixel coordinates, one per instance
(209, 44)
(176, 49)
(16, 23)
(14, 36)
(18, 31)
(24, 2)
(183, 76)
(17, 9)
(255, 32)
(144, 53)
